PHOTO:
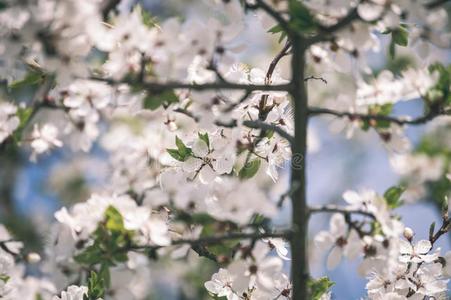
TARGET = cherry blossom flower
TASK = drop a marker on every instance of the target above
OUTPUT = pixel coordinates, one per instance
(416, 253)
(221, 285)
(73, 293)
(338, 239)
(208, 162)
(8, 120)
(44, 139)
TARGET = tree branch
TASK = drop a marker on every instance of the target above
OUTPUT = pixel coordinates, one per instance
(341, 210)
(232, 236)
(212, 240)
(436, 3)
(276, 60)
(261, 125)
(158, 87)
(368, 117)
(257, 124)
(311, 77)
(299, 243)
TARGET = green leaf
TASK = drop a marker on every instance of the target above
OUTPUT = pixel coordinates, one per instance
(392, 49)
(175, 154)
(400, 37)
(183, 150)
(204, 137)
(5, 278)
(441, 92)
(393, 196)
(146, 17)
(31, 79)
(114, 220)
(39, 297)
(301, 19)
(104, 273)
(431, 230)
(154, 101)
(319, 287)
(250, 169)
(111, 241)
(386, 109)
(275, 29)
(278, 29)
(24, 115)
(96, 286)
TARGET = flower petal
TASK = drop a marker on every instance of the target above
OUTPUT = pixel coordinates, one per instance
(334, 258)
(423, 247)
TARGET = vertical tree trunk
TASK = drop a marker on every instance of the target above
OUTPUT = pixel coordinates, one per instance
(299, 267)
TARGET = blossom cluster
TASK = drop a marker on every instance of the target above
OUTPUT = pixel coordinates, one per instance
(198, 142)
(395, 265)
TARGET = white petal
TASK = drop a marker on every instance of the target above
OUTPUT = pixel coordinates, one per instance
(405, 247)
(334, 258)
(200, 148)
(352, 197)
(337, 225)
(207, 174)
(192, 164)
(423, 247)
(212, 287)
(370, 12)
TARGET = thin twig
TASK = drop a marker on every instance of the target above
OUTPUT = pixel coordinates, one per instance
(261, 125)
(276, 60)
(436, 3)
(211, 240)
(315, 78)
(341, 210)
(232, 106)
(368, 117)
(248, 123)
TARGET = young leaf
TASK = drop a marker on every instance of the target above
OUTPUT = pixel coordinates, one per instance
(96, 286)
(250, 169)
(4, 278)
(393, 196)
(183, 150)
(319, 287)
(24, 115)
(301, 18)
(431, 231)
(278, 29)
(114, 220)
(146, 17)
(400, 37)
(175, 154)
(32, 78)
(204, 137)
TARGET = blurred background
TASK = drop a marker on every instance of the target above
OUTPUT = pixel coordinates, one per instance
(31, 192)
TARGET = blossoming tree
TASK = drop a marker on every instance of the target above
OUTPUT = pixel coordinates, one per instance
(196, 141)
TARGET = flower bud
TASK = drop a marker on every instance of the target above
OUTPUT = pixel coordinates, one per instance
(408, 233)
(33, 258)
